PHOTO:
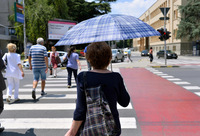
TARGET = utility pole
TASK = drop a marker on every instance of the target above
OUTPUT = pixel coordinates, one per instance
(24, 31)
(164, 11)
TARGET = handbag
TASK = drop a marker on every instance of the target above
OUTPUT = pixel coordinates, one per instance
(64, 63)
(99, 119)
(58, 60)
(2, 65)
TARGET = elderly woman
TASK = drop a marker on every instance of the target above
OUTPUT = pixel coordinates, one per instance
(14, 71)
(99, 55)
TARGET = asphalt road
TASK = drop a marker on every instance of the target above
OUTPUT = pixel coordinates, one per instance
(52, 115)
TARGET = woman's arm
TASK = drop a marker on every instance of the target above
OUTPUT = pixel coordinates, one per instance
(74, 128)
(79, 64)
(20, 67)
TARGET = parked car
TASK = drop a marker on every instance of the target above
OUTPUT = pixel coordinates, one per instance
(117, 55)
(169, 54)
(144, 53)
(62, 54)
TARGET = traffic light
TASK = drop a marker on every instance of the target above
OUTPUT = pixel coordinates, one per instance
(164, 35)
(167, 35)
(161, 31)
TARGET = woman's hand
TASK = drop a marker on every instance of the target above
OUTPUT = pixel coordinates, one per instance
(22, 74)
(69, 133)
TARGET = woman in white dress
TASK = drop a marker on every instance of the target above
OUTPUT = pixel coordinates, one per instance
(14, 71)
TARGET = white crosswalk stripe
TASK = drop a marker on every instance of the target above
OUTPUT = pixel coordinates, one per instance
(176, 81)
(59, 98)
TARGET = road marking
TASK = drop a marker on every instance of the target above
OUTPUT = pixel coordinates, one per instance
(57, 81)
(174, 79)
(162, 74)
(54, 123)
(60, 85)
(167, 76)
(63, 78)
(181, 83)
(52, 106)
(197, 93)
(191, 87)
(158, 72)
(48, 96)
(49, 90)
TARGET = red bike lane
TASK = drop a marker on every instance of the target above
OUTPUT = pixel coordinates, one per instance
(162, 107)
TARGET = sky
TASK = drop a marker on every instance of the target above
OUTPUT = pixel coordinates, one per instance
(130, 7)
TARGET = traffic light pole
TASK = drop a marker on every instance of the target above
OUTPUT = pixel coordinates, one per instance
(164, 38)
(25, 55)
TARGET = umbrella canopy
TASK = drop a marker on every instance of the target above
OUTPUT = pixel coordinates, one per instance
(108, 27)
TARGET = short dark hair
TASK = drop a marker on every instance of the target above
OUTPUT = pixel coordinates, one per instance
(150, 47)
(99, 54)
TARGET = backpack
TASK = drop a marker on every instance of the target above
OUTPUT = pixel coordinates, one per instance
(99, 119)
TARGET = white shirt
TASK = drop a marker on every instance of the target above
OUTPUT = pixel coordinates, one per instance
(12, 69)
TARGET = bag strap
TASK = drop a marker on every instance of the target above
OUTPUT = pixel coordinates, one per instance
(85, 80)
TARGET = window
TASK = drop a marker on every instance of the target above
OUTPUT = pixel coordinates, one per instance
(167, 47)
(175, 14)
(174, 48)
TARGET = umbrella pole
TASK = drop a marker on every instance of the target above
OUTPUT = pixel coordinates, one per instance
(111, 59)
(111, 65)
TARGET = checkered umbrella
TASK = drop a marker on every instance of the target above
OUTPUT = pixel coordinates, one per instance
(108, 27)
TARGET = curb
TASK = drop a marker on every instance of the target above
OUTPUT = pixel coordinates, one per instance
(165, 66)
(63, 67)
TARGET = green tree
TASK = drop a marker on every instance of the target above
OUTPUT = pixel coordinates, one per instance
(39, 12)
(189, 25)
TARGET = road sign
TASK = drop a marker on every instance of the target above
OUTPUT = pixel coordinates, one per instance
(19, 13)
(163, 10)
(162, 18)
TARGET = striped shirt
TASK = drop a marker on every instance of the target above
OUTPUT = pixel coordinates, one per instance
(37, 53)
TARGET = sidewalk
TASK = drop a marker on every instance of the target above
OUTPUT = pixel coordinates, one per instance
(162, 107)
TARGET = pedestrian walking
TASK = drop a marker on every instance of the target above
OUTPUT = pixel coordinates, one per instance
(129, 55)
(53, 61)
(113, 88)
(14, 71)
(38, 61)
(2, 87)
(88, 63)
(73, 64)
(151, 54)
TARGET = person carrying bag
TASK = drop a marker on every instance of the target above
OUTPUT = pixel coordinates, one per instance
(98, 92)
(2, 87)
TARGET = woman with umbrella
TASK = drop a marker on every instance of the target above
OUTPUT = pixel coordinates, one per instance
(99, 55)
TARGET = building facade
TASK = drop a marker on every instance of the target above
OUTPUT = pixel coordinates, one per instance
(6, 9)
(151, 17)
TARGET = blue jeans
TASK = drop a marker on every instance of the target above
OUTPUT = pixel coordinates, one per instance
(70, 70)
(39, 72)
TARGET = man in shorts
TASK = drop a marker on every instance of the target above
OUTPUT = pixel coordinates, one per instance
(38, 61)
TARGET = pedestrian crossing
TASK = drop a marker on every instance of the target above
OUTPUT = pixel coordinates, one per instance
(179, 62)
(53, 111)
(178, 81)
